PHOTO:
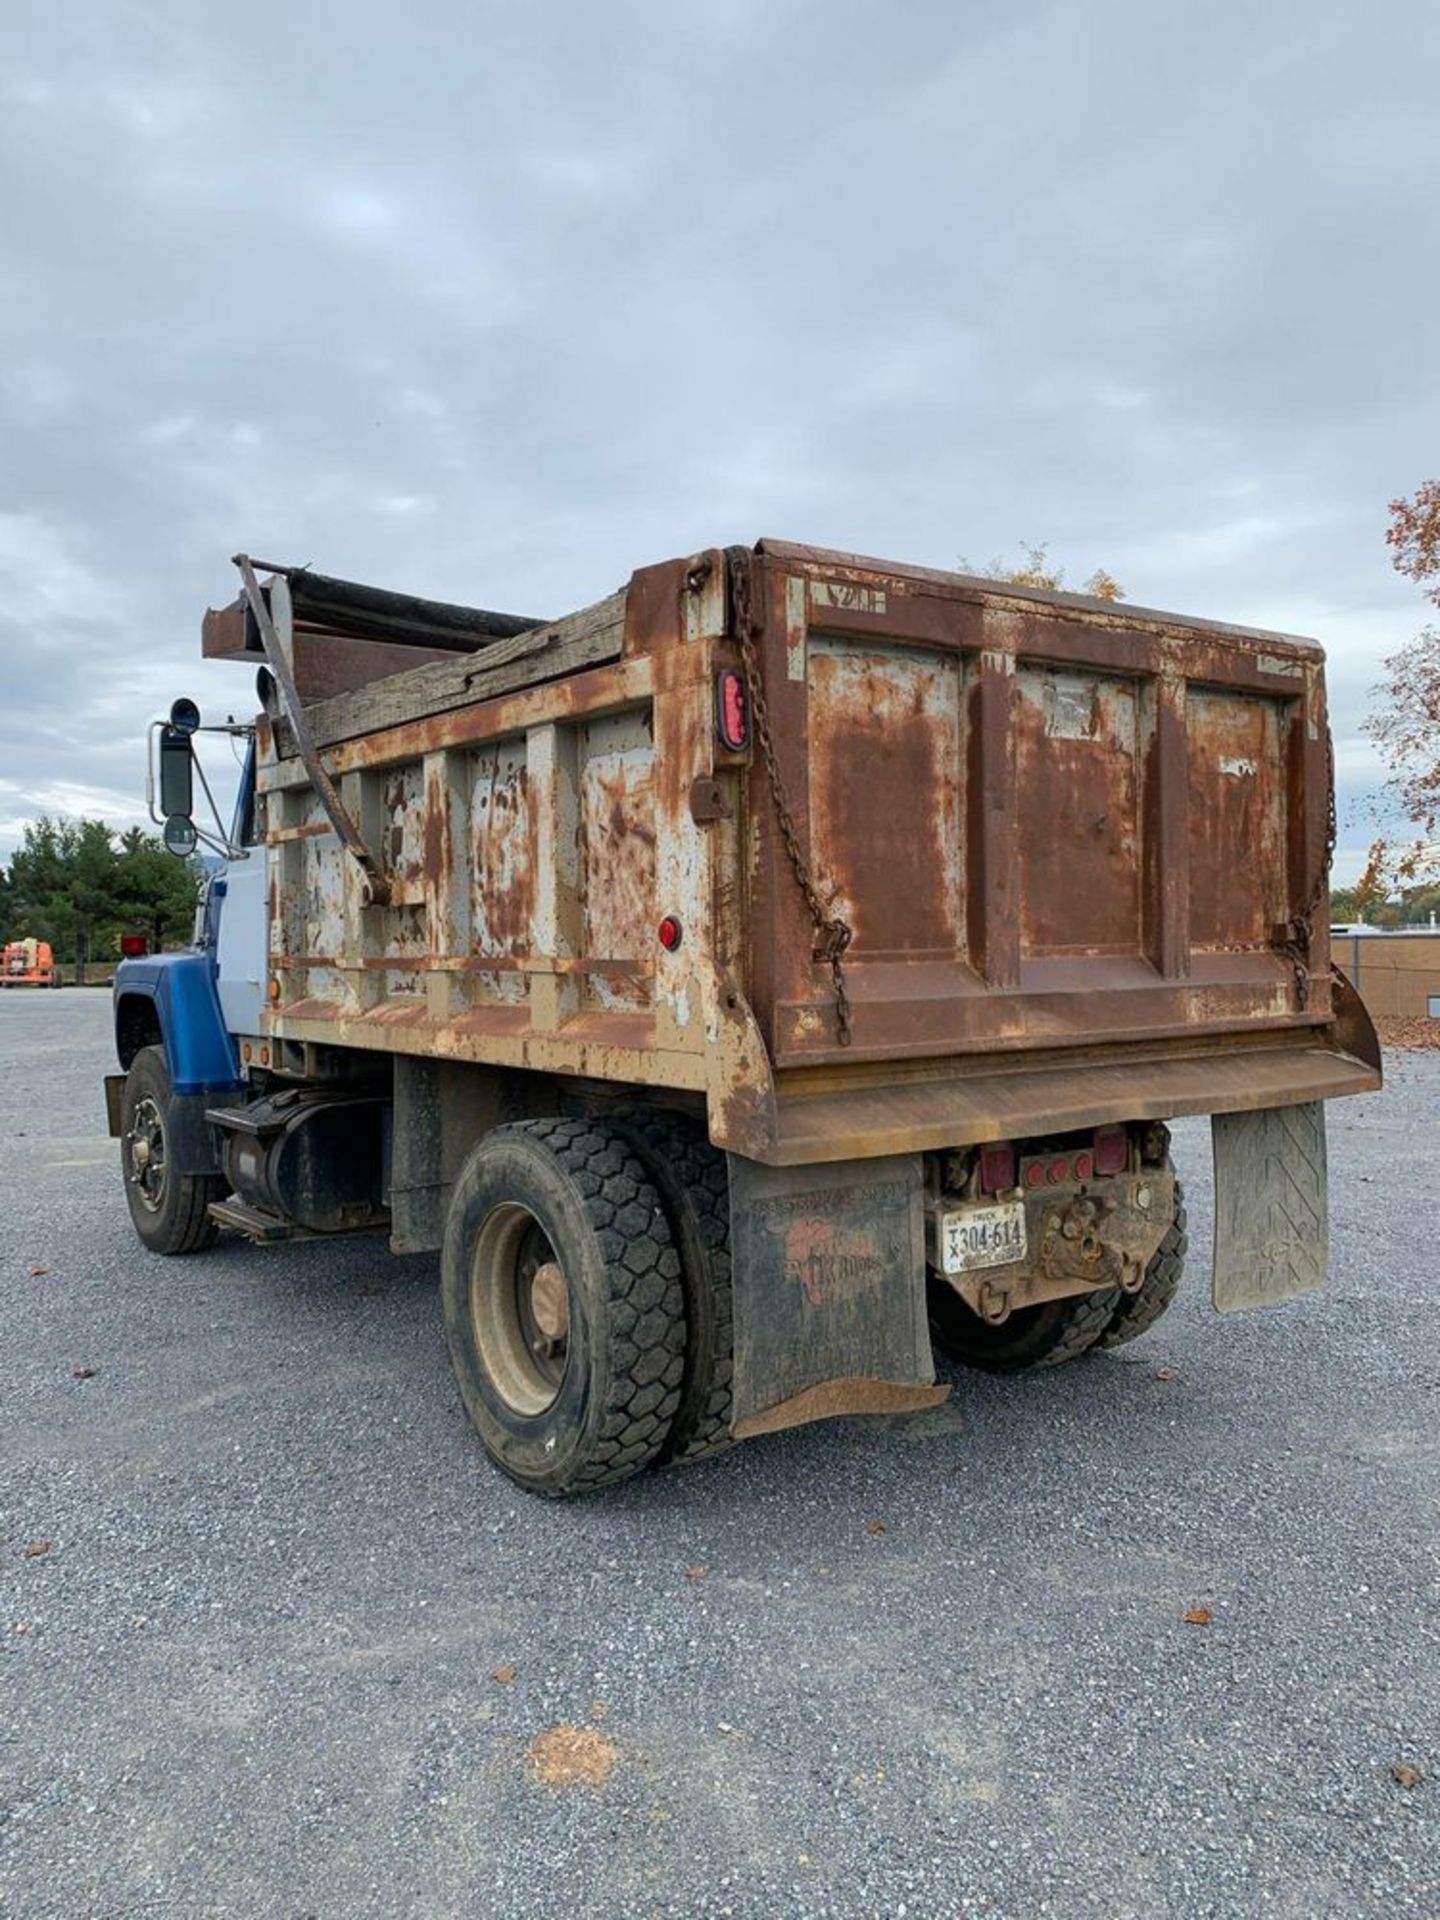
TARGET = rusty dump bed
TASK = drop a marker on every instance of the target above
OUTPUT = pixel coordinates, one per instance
(1078, 848)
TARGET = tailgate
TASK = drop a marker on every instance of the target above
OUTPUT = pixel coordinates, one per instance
(1047, 821)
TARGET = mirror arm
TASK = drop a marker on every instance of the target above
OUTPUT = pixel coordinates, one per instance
(222, 844)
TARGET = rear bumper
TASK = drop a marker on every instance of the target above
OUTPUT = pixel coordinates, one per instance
(1013, 1102)
(864, 1111)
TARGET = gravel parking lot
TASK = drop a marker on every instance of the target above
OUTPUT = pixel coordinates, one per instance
(277, 1639)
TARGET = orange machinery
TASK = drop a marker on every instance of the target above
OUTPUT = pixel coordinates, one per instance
(28, 963)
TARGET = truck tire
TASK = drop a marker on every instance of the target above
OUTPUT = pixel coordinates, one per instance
(170, 1210)
(1135, 1312)
(1040, 1336)
(563, 1305)
(693, 1182)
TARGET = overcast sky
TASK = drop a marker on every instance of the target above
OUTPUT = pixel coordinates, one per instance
(497, 303)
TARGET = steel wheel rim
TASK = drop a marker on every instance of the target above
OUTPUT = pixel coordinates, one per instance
(520, 1309)
(145, 1154)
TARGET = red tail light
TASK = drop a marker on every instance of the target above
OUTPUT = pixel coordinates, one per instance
(134, 946)
(1112, 1150)
(997, 1168)
(732, 711)
(670, 932)
(1058, 1172)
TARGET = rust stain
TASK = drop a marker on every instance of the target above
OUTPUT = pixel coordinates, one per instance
(504, 854)
(617, 834)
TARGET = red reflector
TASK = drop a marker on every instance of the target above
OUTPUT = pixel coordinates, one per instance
(1035, 1174)
(1084, 1165)
(1112, 1150)
(732, 714)
(134, 945)
(670, 933)
(1058, 1172)
(997, 1168)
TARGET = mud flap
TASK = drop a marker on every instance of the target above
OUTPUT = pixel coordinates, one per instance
(829, 1292)
(1272, 1233)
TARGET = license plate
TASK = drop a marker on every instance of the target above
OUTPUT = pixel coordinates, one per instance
(989, 1236)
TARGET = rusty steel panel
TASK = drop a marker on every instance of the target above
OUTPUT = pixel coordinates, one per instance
(1079, 826)
(1238, 819)
(617, 839)
(404, 845)
(887, 792)
(502, 863)
(1041, 869)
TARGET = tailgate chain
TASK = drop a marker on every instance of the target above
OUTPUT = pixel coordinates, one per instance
(833, 933)
(1302, 927)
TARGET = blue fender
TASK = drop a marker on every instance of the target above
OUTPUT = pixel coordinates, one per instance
(171, 998)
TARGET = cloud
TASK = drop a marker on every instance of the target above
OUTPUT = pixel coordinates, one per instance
(497, 304)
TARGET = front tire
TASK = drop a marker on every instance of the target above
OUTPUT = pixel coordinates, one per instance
(563, 1306)
(169, 1209)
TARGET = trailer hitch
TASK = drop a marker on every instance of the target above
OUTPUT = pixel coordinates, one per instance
(376, 881)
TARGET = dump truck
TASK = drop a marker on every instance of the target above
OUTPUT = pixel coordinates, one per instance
(751, 984)
(28, 963)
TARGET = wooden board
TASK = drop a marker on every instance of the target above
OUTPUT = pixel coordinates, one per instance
(584, 639)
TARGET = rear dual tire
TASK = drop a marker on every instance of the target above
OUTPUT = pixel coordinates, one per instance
(563, 1305)
(692, 1179)
(1060, 1330)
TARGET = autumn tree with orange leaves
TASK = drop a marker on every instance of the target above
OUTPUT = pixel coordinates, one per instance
(1035, 568)
(1405, 722)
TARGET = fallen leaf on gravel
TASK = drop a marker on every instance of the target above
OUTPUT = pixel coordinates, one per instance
(1197, 1616)
(599, 1709)
(83, 1373)
(35, 1272)
(875, 1526)
(697, 1573)
(504, 1674)
(21, 1626)
(1405, 1774)
(1164, 1373)
(37, 1548)
(572, 1757)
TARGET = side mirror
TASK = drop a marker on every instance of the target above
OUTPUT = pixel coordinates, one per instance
(179, 835)
(177, 772)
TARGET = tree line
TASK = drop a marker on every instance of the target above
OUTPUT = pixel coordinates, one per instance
(80, 885)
